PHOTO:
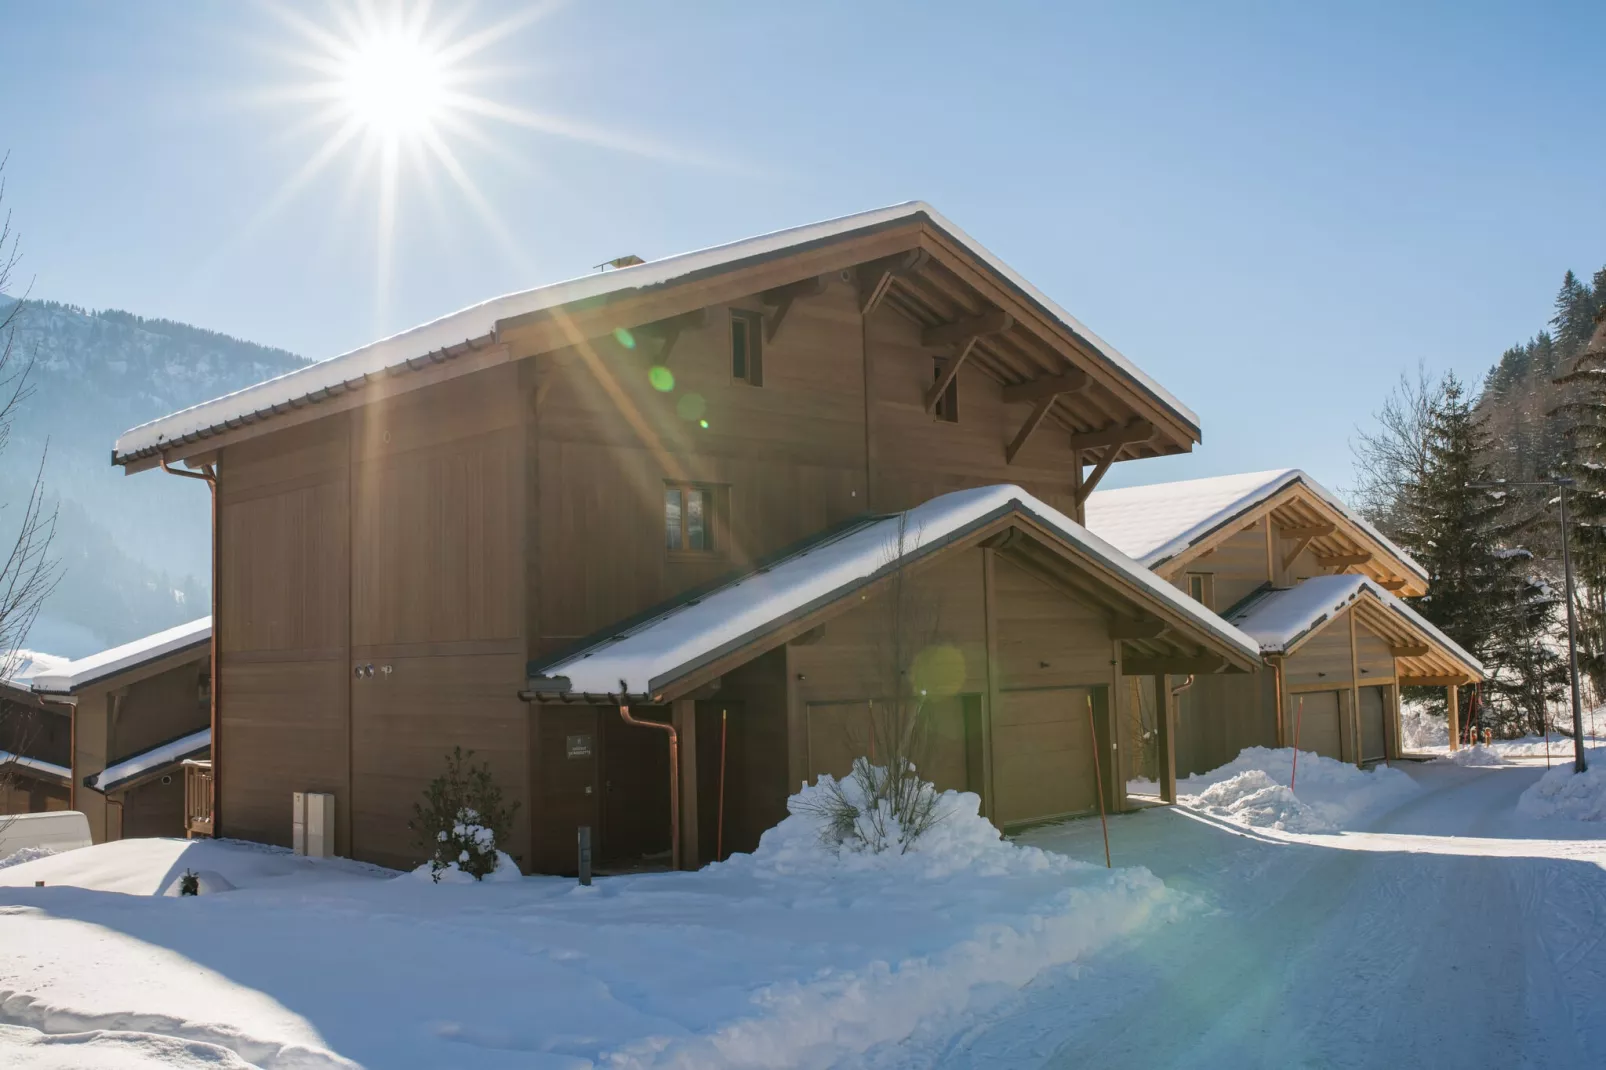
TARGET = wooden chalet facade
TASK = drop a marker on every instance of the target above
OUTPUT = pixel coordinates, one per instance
(35, 745)
(1285, 561)
(136, 712)
(413, 539)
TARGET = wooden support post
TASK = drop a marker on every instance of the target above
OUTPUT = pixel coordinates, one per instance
(1271, 557)
(1120, 731)
(1079, 514)
(1165, 723)
(1281, 701)
(685, 721)
(1355, 692)
(989, 601)
(1453, 692)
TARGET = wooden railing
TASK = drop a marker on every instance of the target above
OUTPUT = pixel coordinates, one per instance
(197, 798)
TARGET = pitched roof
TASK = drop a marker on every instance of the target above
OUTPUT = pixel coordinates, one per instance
(644, 657)
(315, 381)
(1155, 523)
(65, 679)
(37, 766)
(148, 763)
(1279, 619)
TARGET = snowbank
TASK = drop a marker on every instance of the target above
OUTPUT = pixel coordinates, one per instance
(1253, 789)
(1564, 793)
(451, 873)
(1476, 755)
(797, 955)
(26, 854)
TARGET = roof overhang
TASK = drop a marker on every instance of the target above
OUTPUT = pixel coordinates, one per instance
(907, 257)
(129, 663)
(1171, 632)
(150, 763)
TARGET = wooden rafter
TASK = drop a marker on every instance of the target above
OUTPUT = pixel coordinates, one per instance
(1145, 628)
(1299, 547)
(667, 331)
(1308, 531)
(1342, 560)
(1051, 386)
(961, 332)
(1091, 482)
(875, 278)
(1435, 681)
(950, 369)
(1392, 584)
(1133, 431)
(1410, 650)
(778, 302)
(1034, 418)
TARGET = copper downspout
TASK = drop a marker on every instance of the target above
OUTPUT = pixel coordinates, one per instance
(209, 473)
(674, 780)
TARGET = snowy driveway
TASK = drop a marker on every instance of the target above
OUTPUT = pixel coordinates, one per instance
(1451, 933)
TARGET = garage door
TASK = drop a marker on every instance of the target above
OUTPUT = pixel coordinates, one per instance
(949, 754)
(1043, 755)
(1374, 733)
(1318, 727)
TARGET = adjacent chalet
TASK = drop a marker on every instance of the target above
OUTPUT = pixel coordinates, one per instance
(35, 741)
(137, 713)
(655, 541)
(1316, 587)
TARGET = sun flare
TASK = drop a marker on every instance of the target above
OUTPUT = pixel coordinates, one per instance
(395, 85)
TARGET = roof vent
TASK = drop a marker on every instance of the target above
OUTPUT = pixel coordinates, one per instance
(628, 260)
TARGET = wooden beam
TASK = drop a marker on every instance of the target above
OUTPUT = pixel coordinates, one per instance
(1293, 555)
(1452, 692)
(1308, 531)
(875, 278)
(1165, 723)
(1123, 435)
(1433, 681)
(667, 331)
(1355, 691)
(950, 369)
(1145, 628)
(1051, 386)
(989, 603)
(810, 637)
(1091, 483)
(1410, 650)
(962, 332)
(1179, 665)
(780, 300)
(1342, 560)
(1392, 585)
(1018, 443)
(684, 715)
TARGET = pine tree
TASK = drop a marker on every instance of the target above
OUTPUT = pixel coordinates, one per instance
(1575, 315)
(1585, 421)
(1478, 589)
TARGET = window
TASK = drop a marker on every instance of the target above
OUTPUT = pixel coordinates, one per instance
(1202, 588)
(747, 347)
(691, 515)
(947, 405)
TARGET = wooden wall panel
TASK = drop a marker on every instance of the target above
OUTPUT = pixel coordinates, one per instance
(159, 709)
(406, 721)
(1220, 715)
(1238, 566)
(1045, 637)
(1043, 754)
(284, 730)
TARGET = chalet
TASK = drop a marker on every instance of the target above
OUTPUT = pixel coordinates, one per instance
(138, 711)
(639, 539)
(35, 741)
(1319, 590)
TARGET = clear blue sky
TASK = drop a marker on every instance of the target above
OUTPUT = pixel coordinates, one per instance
(1272, 208)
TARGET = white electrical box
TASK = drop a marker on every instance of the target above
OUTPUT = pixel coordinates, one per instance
(298, 822)
(320, 825)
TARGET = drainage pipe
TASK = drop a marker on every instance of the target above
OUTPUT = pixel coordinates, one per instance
(674, 779)
(209, 474)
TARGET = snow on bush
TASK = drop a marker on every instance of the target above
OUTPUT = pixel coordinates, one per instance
(812, 840)
(25, 854)
(1564, 793)
(462, 820)
(1328, 795)
(870, 811)
(1422, 729)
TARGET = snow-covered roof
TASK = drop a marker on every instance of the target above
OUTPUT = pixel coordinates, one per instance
(1157, 522)
(663, 648)
(1279, 618)
(170, 753)
(482, 319)
(27, 664)
(65, 679)
(35, 765)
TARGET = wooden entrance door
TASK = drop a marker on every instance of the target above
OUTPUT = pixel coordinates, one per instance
(1374, 734)
(568, 748)
(1318, 725)
(1043, 754)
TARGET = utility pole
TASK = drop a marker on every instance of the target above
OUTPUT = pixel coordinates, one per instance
(1562, 485)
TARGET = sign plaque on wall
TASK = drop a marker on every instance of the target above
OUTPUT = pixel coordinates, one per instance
(579, 746)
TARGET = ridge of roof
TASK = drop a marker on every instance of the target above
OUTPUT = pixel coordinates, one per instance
(698, 630)
(479, 320)
(1279, 617)
(68, 678)
(1156, 522)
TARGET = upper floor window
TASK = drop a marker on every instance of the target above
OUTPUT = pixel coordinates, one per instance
(947, 405)
(747, 347)
(691, 518)
(1202, 588)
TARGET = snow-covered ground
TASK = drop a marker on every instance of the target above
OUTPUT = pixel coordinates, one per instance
(1433, 924)
(787, 958)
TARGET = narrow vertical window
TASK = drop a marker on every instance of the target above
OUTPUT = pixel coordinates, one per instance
(1201, 588)
(947, 405)
(672, 518)
(747, 358)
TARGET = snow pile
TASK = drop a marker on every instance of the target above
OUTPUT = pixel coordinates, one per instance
(1422, 729)
(1564, 793)
(207, 882)
(1252, 798)
(1328, 795)
(1475, 755)
(25, 854)
(453, 873)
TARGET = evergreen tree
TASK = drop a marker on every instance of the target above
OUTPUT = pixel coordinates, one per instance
(1585, 419)
(1575, 315)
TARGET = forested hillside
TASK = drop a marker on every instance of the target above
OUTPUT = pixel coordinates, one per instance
(134, 550)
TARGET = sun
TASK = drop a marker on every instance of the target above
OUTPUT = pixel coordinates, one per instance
(395, 85)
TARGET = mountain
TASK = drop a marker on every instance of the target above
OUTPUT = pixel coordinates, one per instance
(136, 550)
